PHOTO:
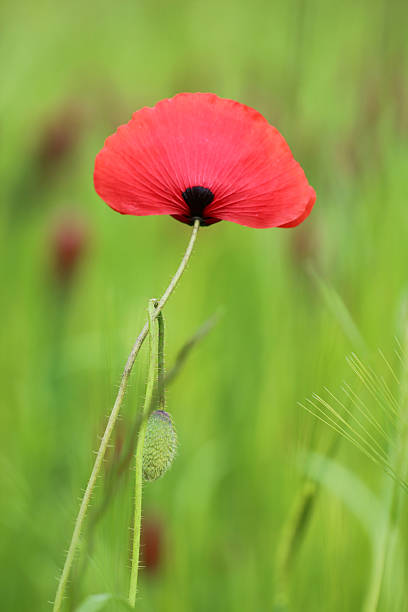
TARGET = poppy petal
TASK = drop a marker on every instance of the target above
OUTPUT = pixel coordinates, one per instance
(198, 155)
(305, 213)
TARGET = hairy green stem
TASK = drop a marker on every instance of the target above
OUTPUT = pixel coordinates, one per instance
(160, 362)
(151, 379)
(76, 535)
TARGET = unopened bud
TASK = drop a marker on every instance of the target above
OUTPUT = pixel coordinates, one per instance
(160, 445)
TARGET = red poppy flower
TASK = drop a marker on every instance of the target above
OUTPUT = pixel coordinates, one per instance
(200, 156)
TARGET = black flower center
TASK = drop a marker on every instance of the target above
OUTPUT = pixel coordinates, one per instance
(197, 198)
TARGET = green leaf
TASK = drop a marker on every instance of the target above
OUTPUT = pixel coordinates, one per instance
(360, 500)
(98, 602)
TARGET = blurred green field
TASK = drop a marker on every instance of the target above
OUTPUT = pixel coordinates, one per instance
(334, 80)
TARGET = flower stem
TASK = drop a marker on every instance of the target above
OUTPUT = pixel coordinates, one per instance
(153, 350)
(76, 535)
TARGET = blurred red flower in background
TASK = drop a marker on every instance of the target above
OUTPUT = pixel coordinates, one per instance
(200, 156)
(151, 544)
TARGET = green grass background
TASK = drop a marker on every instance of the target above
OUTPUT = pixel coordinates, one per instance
(333, 79)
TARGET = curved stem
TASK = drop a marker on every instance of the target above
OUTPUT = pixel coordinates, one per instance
(153, 346)
(111, 423)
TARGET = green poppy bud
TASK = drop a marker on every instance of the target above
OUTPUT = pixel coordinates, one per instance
(160, 445)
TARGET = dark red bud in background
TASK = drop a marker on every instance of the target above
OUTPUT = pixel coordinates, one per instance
(59, 137)
(69, 240)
